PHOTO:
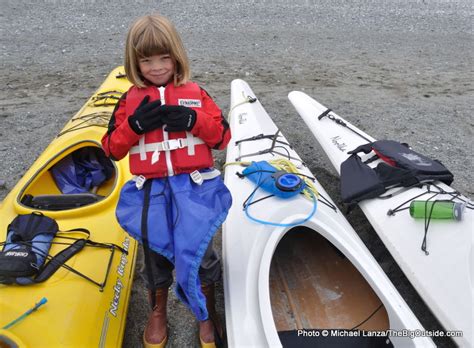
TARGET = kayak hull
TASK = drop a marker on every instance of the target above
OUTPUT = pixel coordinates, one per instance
(448, 269)
(249, 247)
(77, 313)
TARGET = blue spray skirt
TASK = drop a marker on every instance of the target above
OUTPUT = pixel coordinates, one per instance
(182, 219)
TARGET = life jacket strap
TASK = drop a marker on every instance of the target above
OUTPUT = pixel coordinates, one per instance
(167, 145)
(197, 176)
(191, 143)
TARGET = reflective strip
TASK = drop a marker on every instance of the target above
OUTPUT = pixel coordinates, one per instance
(168, 145)
(214, 173)
(190, 138)
(161, 89)
(210, 175)
(199, 177)
(141, 145)
(169, 164)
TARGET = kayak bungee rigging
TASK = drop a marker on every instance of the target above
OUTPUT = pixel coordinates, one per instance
(25, 257)
(279, 183)
(272, 174)
(327, 113)
(455, 196)
(271, 150)
(400, 167)
(95, 119)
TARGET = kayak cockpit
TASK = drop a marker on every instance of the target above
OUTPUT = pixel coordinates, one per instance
(80, 175)
(314, 287)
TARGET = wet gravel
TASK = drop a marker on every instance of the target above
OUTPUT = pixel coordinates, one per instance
(397, 69)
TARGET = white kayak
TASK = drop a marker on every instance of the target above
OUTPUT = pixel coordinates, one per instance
(315, 275)
(443, 276)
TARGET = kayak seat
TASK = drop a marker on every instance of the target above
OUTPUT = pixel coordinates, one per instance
(60, 201)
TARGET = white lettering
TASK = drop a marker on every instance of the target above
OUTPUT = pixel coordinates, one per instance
(115, 301)
(123, 258)
(114, 305)
(340, 145)
(195, 103)
(16, 253)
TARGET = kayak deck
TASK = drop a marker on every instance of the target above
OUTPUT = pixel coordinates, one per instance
(313, 286)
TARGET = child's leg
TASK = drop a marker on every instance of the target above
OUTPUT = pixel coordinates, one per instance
(210, 270)
(161, 269)
(155, 334)
(209, 273)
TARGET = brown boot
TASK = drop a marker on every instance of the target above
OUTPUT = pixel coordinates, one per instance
(156, 331)
(207, 328)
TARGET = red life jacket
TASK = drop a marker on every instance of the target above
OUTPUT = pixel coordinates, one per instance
(160, 153)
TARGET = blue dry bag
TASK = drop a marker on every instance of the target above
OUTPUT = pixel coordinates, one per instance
(82, 170)
(28, 241)
(277, 182)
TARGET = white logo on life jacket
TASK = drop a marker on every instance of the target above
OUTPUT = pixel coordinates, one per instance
(416, 159)
(190, 103)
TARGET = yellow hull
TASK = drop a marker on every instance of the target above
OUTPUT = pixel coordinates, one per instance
(78, 313)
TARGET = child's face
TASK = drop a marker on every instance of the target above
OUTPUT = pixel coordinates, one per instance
(158, 69)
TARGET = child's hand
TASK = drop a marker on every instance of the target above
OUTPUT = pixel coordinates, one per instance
(177, 118)
(146, 118)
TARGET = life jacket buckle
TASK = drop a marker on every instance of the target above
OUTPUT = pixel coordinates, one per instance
(172, 144)
(197, 177)
(140, 181)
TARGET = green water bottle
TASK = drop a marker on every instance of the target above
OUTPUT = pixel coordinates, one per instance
(441, 210)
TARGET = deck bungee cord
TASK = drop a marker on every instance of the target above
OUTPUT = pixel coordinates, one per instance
(283, 164)
(340, 122)
(101, 119)
(106, 98)
(271, 149)
(96, 119)
(400, 166)
(272, 137)
(249, 202)
(245, 100)
(270, 176)
(48, 264)
(282, 167)
(429, 208)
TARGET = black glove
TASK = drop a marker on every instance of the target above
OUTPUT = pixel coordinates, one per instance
(146, 118)
(177, 118)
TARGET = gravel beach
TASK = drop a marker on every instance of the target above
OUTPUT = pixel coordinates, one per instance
(397, 69)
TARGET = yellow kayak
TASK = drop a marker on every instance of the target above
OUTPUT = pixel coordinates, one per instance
(78, 312)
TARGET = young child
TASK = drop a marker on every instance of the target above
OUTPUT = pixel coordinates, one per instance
(176, 202)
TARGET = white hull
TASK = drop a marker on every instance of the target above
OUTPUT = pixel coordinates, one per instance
(248, 247)
(444, 278)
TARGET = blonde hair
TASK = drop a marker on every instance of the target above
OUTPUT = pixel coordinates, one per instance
(152, 35)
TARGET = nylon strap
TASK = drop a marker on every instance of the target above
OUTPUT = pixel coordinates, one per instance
(146, 245)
